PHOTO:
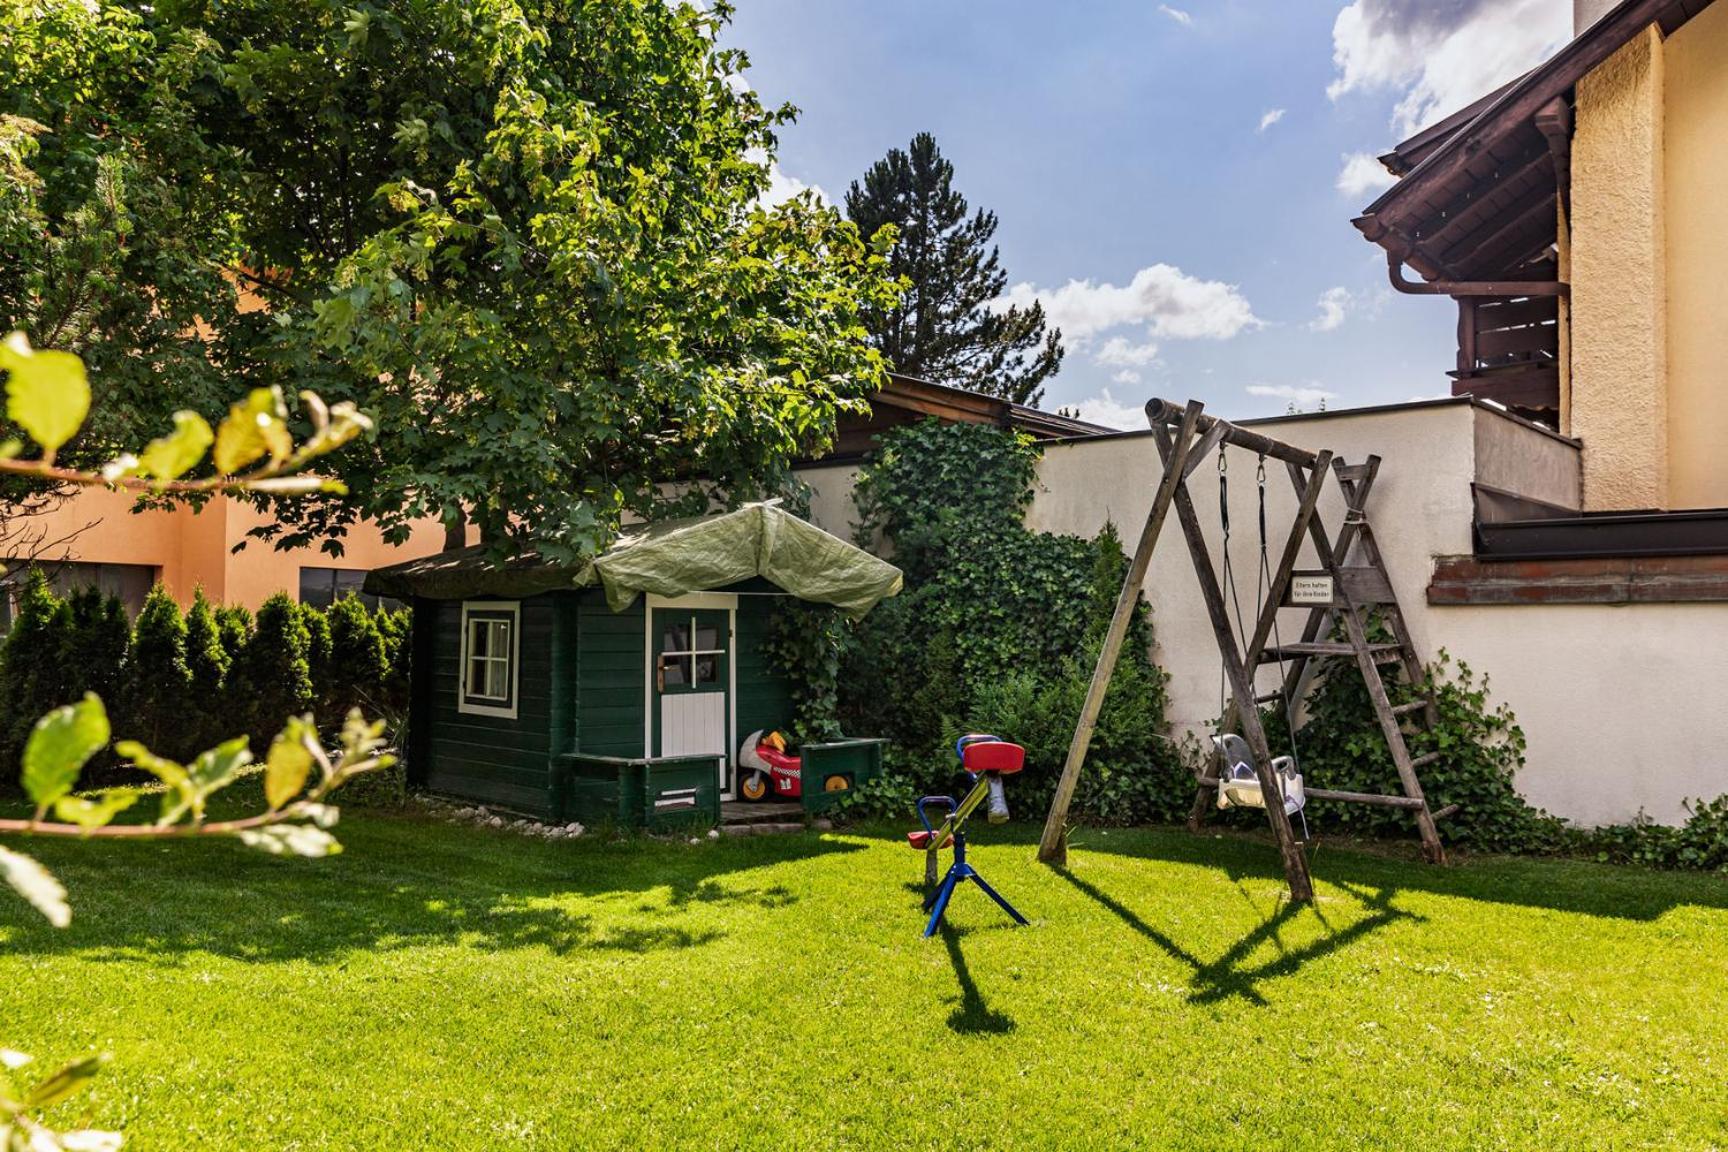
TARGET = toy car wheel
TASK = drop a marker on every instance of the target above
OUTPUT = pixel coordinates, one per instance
(836, 784)
(754, 786)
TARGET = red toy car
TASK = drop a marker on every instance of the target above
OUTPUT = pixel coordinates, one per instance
(766, 769)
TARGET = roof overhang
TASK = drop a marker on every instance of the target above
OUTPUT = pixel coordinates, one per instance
(1473, 212)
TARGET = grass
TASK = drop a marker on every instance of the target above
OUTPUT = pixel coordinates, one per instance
(447, 987)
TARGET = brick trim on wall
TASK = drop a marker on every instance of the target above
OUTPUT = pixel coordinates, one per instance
(1460, 580)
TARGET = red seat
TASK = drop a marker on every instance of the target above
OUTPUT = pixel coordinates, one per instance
(994, 756)
(920, 840)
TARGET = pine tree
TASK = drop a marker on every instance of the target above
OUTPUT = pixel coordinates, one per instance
(944, 329)
(207, 664)
(318, 657)
(158, 687)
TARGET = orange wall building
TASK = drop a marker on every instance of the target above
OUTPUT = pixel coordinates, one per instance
(94, 537)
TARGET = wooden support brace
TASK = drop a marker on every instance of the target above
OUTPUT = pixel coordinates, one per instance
(1053, 845)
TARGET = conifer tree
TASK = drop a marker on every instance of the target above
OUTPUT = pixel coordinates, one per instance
(31, 682)
(158, 687)
(944, 329)
(358, 665)
(273, 677)
(96, 645)
(207, 668)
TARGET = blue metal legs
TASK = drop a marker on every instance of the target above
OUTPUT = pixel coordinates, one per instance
(957, 872)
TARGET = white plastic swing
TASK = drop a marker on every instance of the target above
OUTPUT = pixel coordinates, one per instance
(1239, 786)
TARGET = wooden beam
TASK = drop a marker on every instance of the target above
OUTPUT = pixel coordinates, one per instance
(1163, 413)
(1053, 846)
(1241, 683)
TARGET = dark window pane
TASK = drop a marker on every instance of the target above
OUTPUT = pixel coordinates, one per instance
(707, 638)
(675, 671)
(707, 669)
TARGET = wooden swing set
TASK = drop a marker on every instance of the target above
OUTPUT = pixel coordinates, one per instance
(1338, 594)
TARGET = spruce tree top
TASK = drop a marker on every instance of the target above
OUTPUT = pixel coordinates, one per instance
(943, 329)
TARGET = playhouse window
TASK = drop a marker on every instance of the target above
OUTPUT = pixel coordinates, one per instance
(690, 654)
(489, 658)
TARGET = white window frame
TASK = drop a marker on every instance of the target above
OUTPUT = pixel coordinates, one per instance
(488, 611)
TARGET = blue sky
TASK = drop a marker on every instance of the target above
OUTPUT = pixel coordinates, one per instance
(1174, 181)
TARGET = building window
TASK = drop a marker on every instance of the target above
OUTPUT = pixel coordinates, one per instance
(489, 657)
(322, 587)
(128, 583)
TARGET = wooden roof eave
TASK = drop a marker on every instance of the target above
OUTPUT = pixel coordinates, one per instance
(1520, 103)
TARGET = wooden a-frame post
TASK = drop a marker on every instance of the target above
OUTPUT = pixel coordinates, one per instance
(1053, 847)
(1180, 456)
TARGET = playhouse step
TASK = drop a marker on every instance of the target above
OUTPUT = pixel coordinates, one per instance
(769, 812)
(772, 829)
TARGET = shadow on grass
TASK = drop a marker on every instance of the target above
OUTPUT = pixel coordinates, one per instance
(401, 883)
(972, 1016)
(1558, 884)
(1225, 977)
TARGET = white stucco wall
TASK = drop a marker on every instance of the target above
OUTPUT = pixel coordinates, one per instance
(1625, 707)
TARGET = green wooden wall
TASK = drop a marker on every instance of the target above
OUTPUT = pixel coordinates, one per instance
(609, 677)
(491, 759)
(764, 696)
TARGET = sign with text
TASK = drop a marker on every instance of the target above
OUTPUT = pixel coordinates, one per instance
(1311, 591)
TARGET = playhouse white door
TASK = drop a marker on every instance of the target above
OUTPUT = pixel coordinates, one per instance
(692, 677)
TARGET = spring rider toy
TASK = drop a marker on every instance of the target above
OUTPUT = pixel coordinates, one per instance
(986, 759)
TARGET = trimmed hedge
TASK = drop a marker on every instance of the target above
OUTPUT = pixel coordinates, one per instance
(181, 682)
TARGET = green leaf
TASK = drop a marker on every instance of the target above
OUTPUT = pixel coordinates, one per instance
(34, 882)
(65, 1082)
(47, 393)
(178, 797)
(291, 840)
(252, 428)
(287, 764)
(59, 745)
(169, 457)
(219, 767)
(88, 814)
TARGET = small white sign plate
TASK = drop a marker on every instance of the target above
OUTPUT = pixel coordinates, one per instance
(1311, 591)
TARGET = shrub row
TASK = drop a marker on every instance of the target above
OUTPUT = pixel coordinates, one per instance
(182, 682)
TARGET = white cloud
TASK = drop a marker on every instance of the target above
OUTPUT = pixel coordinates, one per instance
(782, 187)
(1119, 352)
(1271, 117)
(1166, 301)
(1178, 15)
(1126, 376)
(1440, 57)
(1105, 409)
(1334, 303)
(1363, 174)
(1300, 395)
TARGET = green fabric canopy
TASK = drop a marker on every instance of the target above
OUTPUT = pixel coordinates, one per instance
(669, 558)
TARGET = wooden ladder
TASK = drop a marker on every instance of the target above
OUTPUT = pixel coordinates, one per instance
(1357, 589)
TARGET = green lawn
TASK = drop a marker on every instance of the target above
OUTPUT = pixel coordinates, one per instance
(446, 987)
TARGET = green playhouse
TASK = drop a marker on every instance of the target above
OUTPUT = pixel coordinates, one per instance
(617, 690)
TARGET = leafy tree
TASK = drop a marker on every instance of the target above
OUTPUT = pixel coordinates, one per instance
(157, 699)
(527, 239)
(944, 327)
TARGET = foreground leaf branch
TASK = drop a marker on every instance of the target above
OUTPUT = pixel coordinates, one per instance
(251, 450)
